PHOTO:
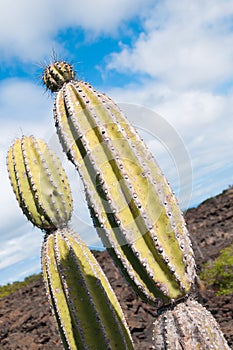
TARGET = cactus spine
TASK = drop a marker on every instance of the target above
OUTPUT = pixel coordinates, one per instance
(85, 307)
(131, 203)
(187, 326)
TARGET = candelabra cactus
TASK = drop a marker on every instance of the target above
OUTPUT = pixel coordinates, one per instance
(85, 307)
(131, 202)
(133, 209)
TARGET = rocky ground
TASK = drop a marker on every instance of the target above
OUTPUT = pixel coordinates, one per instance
(26, 321)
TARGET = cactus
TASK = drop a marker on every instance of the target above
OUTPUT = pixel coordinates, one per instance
(132, 205)
(39, 183)
(187, 326)
(86, 308)
(84, 305)
(134, 211)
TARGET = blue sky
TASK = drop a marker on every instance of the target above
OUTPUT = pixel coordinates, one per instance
(173, 58)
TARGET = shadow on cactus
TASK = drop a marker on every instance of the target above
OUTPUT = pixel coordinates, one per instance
(84, 305)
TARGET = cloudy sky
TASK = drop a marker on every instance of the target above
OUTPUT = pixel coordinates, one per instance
(168, 64)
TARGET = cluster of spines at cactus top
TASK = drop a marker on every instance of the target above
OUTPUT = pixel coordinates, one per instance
(131, 203)
(84, 305)
(57, 74)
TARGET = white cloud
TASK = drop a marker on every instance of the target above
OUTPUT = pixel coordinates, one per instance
(185, 44)
(21, 246)
(183, 109)
(28, 28)
(22, 100)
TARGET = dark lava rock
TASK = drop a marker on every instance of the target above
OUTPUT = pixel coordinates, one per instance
(26, 321)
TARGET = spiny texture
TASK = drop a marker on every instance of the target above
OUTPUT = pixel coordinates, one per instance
(40, 183)
(188, 326)
(56, 74)
(85, 306)
(130, 200)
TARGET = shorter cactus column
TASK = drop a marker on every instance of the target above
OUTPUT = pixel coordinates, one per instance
(86, 309)
(85, 306)
(39, 183)
(187, 326)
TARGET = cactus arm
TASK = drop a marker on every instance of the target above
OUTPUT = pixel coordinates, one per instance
(72, 274)
(132, 207)
(39, 183)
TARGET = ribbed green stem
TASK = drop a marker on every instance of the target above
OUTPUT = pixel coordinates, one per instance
(85, 306)
(39, 182)
(131, 203)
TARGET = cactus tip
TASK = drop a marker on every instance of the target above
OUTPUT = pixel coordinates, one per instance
(56, 74)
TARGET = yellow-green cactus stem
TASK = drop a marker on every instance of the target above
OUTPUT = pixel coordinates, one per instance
(87, 312)
(187, 326)
(85, 306)
(40, 183)
(131, 203)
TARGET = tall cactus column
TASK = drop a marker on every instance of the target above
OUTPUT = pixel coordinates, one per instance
(86, 309)
(131, 203)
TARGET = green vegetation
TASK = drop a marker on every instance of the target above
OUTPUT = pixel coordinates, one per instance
(219, 273)
(12, 287)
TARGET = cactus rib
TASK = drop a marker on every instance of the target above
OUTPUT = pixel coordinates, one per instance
(187, 326)
(131, 203)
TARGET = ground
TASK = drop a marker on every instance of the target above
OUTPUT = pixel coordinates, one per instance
(26, 321)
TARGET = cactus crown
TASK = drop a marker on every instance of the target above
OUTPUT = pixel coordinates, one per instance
(40, 183)
(56, 74)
